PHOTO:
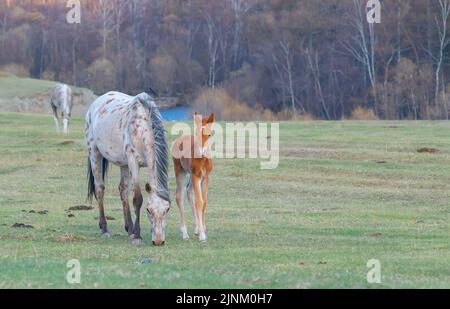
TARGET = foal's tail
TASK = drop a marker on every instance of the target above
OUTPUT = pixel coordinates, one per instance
(91, 180)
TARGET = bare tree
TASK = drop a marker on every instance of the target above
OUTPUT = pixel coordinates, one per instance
(212, 51)
(240, 8)
(314, 66)
(441, 22)
(105, 11)
(362, 44)
(119, 8)
(285, 69)
(74, 55)
(4, 24)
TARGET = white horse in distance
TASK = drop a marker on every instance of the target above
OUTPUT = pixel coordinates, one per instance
(61, 101)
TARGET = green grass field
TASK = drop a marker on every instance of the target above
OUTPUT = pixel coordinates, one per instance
(344, 193)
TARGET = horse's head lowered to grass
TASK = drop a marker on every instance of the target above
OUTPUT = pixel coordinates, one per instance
(158, 193)
(157, 209)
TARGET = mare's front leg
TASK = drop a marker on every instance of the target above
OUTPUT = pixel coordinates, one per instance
(180, 175)
(96, 165)
(124, 189)
(137, 199)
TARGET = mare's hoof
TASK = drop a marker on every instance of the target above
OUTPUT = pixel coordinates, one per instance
(106, 235)
(137, 242)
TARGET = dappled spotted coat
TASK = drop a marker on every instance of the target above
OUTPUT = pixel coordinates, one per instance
(129, 132)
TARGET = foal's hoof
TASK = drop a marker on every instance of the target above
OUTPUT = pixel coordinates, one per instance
(202, 237)
(106, 235)
(184, 233)
(137, 242)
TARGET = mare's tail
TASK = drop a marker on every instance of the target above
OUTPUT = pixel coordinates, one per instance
(91, 180)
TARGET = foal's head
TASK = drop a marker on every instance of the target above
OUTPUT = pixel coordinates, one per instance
(157, 209)
(203, 126)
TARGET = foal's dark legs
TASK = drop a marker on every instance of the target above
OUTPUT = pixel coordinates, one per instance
(124, 189)
(96, 163)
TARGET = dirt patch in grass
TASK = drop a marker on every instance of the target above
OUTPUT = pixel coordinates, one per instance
(81, 207)
(427, 150)
(23, 226)
(107, 218)
(67, 142)
(376, 235)
(68, 238)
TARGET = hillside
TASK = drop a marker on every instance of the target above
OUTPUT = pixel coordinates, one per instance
(31, 95)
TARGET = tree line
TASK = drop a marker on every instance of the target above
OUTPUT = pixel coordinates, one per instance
(271, 58)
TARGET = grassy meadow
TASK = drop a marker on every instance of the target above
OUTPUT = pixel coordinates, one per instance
(344, 193)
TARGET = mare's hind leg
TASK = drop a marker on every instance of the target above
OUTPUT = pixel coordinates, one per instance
(191, 199)
(137, 198)
(180, 175)
(124, 189)
(96, 163)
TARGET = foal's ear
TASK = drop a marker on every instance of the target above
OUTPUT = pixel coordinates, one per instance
(148, 188)
(212, 118)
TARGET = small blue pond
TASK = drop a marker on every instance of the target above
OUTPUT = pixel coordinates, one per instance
(180, 113)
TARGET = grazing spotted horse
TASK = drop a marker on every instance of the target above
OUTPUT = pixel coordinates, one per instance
(61, 102)
(191, 155)
(129, 132)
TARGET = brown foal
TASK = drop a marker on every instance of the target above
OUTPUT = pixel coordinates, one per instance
(191, 155)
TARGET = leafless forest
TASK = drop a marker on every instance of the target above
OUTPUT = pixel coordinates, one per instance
(243, 58)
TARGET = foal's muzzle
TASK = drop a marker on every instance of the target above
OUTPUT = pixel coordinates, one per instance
(159, 243)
